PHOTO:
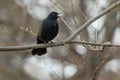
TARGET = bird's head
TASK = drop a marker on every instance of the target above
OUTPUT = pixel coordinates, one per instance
(53, 15)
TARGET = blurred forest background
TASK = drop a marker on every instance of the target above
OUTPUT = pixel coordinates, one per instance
(69, 62)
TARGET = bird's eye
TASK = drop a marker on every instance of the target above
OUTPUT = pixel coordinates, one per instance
(54, 14)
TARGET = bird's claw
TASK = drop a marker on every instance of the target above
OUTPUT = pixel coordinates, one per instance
(52, 43)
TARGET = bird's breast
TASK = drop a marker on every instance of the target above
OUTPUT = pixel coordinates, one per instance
(49, 30)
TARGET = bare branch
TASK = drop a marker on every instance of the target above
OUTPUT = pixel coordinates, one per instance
(113, 6)
(33, 46)
(98, 68)
(68, 40)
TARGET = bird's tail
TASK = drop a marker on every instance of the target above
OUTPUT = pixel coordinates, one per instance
(39, 51)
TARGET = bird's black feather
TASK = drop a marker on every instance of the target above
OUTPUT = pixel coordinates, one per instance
(48, 31)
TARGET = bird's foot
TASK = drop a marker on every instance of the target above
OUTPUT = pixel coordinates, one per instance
(52, 43)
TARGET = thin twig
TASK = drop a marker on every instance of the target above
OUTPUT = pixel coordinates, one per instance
(96, 29)
(58, 7)
(69, 26)
(113, 6)
(66, 24)
(73, 14)
(27, 29)
(97, 69)
(68, 40)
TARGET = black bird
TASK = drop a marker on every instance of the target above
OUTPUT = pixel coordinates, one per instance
(48, 31)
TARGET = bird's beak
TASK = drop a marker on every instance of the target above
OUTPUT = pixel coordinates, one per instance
(58, 15)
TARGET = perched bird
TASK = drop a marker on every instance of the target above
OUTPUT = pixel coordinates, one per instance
(48, 31)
